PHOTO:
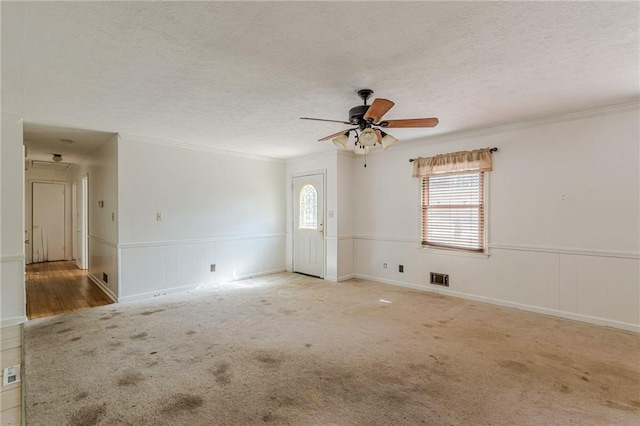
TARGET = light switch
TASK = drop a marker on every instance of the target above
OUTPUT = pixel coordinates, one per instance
(159, 217)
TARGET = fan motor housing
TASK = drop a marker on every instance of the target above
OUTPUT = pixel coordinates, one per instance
(356, 113)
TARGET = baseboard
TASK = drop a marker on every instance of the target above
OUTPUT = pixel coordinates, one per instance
(180, 289)
(345, 277)
(260, 274)
(106, 290)
(332, 278)
(545, 311)
(8, 322)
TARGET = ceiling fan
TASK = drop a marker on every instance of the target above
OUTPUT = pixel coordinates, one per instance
(368, 130)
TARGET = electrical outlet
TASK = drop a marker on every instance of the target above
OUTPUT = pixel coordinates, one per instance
(384, 265)
(401, 268)
(213, 267)
(105, 277)
(11, 375)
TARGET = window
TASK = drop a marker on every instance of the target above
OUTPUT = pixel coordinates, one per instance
(453, 211)
(308, 208)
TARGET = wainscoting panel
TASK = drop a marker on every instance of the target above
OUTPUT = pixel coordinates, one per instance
(601, 288)
(149, 269)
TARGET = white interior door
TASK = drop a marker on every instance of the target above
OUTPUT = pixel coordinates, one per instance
(47, 234)
(308, 225)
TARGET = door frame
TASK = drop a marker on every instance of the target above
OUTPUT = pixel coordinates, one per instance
(29, 216)
(322, 172)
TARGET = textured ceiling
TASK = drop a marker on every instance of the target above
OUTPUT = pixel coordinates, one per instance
(237, 75)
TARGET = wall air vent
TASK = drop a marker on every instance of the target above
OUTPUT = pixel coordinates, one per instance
(50, 165)
(439, 279)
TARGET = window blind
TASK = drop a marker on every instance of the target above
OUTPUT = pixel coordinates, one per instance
(453, 211)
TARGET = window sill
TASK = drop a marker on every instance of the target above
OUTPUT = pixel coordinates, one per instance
(453, 252)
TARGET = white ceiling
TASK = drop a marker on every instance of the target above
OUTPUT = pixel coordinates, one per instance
(237, 75)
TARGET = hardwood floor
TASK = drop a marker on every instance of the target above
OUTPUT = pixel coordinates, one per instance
(58, 287)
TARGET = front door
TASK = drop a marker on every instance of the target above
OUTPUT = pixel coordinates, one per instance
(308, 225)
(47, 235)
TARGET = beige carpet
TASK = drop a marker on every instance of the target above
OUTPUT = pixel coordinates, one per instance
(289, 349)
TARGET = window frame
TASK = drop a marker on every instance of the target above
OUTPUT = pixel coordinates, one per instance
(461, 251)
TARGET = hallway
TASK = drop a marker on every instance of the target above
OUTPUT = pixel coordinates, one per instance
(57, 287)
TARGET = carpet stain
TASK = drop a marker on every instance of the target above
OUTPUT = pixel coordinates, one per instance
(308, 345)
(66, 330)
(88, 352)
(221, 373)
(147, 313)
(115, 344)
(139, 336)
(269, 359)
(111, 327)
(105, 318)
(621, 406)
(88, 416)
(75, 339)
(58, 322)
(565, 389)
(181, 402)
(287, 311)
(585, 378)
(81, 395)
(190, 333)
(515, 366)
(130, 379)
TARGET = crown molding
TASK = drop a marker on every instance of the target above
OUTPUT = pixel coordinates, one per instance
(195, 147)
(464, 134)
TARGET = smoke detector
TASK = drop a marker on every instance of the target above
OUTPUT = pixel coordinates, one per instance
(57, 158)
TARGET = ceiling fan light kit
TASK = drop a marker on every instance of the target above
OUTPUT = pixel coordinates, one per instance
(368, 131)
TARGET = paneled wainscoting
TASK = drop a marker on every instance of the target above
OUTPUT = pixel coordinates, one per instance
(153, 268)
(598, 287)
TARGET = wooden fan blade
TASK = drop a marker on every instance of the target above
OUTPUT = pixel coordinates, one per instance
(410, 122)
(322, 119)
(378, 108)
(335, 135)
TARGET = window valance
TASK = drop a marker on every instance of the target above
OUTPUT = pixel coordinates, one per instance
(478, 160)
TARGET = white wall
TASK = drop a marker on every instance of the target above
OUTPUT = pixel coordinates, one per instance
(216, 208)
(65, 177)
(564, 218)
(102, 169)
(12, 261)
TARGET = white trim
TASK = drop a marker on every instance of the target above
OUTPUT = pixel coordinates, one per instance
(106, 290)
(390, 239)
(566, 250)
(546, 311)
(12, 258)
(452, 252)
(11, 321)
(102, 240)
(346, 237)
(172, 290)
(555, 250)
(198, 240)
(346, 277)
(197, 147)
(332, 278)
(260, 274)
(467, 134)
